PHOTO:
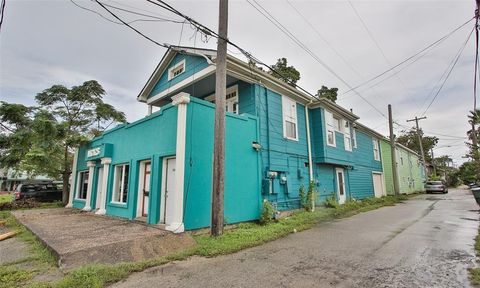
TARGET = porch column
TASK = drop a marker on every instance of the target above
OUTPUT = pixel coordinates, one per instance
(91, 170)
(180, 100)
(73, 178)
(103, 199)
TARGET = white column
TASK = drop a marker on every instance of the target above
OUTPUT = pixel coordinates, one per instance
(103, 199)
(72, 182)
(149, 112)
(91, 171)
(180, 100)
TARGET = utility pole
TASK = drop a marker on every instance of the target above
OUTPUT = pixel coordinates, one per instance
(433, 163)
(219, 133)
(416, 119)
(396, 185)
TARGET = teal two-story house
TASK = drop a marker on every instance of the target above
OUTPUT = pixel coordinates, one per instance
(159, 168)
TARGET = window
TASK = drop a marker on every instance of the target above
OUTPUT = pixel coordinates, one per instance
(82, 185)
(176, 70)
(354, 138)
(120, 183)
(231, 99)
(337, 124)
(289, 112)
(347, 139)
(330, 128)
(376, 151)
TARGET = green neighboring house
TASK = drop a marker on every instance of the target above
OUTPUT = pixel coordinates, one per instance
(411, 175)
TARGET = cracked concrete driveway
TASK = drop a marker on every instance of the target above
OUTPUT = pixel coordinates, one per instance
(424, 242)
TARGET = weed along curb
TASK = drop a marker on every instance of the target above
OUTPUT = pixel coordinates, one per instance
(244, 235)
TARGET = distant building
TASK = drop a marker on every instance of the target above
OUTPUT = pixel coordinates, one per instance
(9, 179)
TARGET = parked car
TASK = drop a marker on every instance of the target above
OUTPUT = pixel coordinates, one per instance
(436, 186)
(39, 191)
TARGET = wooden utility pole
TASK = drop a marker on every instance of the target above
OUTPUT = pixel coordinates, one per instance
(416, 119)
(396, 185)
(219, 133)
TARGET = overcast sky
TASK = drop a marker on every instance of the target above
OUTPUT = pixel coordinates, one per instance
(43, 43)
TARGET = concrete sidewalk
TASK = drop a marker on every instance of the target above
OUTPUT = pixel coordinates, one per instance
(78, 238)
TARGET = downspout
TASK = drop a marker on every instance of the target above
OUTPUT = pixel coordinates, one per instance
(309, 146)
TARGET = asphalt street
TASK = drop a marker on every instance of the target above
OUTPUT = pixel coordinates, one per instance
(424, 242)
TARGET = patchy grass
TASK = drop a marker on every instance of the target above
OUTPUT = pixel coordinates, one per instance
(244, 236)
(6, 198)
(475, 272)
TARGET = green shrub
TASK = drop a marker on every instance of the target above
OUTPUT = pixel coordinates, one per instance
(331, 201)
(267, 212)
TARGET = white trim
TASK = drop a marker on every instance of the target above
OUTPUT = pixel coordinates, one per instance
(293, 118)
(197, 76)
(72, 182)
(176, 66)
(354, 138)
(341, 201)
(329, 127)
(141, 185)
(91, 171)
(106, 170)
(309, 149)
(122, 184)
(376, 156)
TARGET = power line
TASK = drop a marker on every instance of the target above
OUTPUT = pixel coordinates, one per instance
(145, 15)
(133, 28)
(2, 11)
(411, 57)
(282, 28)
(449, 73)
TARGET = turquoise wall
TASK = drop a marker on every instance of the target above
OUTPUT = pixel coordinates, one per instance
(242, 175)
(193, 65)
(150, 138)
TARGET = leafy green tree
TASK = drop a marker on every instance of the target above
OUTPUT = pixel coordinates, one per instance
(410, 140)
(330, 94)
(42, 141)
(288, 74)
(467, 172)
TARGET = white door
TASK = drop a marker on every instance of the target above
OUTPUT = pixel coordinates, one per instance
(99, 188)
(169, 189)
(378, 185)
(341, 193)
(146, 187)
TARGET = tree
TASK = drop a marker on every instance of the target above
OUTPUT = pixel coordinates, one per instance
(330, 94)
(288, 74)
(410, 140)
(44, 139)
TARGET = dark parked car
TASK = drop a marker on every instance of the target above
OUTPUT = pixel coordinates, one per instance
(39, 191)
(435, 186)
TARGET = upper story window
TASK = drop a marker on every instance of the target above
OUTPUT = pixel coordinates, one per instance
(289, 112)
(347, 138)
(120, 183)
(231, 99)
(376, 150)
(82, 185)
(337, 124)
(354, 138)
(176, 70)
(330, 128)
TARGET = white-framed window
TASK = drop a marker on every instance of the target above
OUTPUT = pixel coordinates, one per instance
(354, 138)
(82, 184)
(337, 124)
(120, 183)
(347, 138)
(176, 70)
(231, 99)
(289, 112)
(330, 129)
(376, 150)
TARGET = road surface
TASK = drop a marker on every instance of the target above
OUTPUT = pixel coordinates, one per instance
(425, 242)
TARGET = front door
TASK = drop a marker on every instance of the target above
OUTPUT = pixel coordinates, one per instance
(98, 200)
(147, 168)
(168, 189)
(378, 185)
(341, 193)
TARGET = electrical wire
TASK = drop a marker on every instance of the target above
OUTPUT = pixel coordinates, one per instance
(299, 43)
(448, 75)
(131, 27)
(163, 19)
(2, 11)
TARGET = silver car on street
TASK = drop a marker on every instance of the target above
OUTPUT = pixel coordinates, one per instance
(435, 186)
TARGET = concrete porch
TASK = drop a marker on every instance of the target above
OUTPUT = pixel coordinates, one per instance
(79, 238)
